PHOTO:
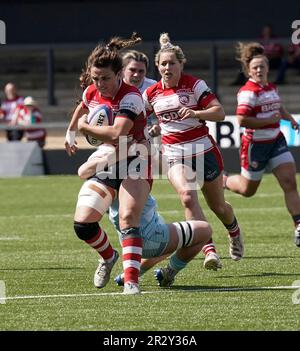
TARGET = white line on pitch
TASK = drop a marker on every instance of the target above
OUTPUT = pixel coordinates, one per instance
(258, 288)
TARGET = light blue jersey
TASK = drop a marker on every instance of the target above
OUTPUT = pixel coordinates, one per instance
(147, 82)
(154, 231)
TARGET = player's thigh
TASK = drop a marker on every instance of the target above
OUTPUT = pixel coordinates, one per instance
(182, 178)
(133, 194)
(94, 199)
(286, 176)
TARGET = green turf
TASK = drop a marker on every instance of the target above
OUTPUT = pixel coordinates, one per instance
(41, 256)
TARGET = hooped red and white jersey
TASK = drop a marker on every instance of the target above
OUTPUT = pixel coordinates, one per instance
(127, 98)
(257, 101)
(9, 106)
(26, 117)
(180, 134)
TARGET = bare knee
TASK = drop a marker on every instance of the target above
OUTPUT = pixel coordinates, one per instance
(128, 219)
(248, 188)
(242, 185)
(203, 231)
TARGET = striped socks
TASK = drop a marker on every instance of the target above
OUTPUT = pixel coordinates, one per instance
(132, 245)
(233, 228)
(102, 245)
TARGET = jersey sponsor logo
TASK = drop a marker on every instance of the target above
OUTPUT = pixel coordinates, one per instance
(132, 102)
(127, 105)
(184, 99)
(180, 91)
(168, 116)
(270, 107)
(265, 97)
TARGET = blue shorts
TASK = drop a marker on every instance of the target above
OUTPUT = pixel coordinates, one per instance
(155, 235)
(207, 167)
(155, 238)
(256, 157)
(134, 167)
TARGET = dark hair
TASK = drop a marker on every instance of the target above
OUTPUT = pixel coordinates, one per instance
(107, 56)
(247, 52)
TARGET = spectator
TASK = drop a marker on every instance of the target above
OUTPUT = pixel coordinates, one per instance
(8, 106)
(294, 56)
(29, 114)
(273, 50)
(292, 60)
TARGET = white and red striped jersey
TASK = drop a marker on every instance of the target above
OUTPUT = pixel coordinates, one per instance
(9, 106)
(127, 98)
(27, 117)
(257, 101)
(178, 135)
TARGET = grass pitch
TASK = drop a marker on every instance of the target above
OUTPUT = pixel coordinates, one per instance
(47, 273)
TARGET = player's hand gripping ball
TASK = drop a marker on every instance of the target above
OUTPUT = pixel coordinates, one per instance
(100, 115)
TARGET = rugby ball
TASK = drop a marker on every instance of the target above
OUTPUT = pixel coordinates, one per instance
(100, 115)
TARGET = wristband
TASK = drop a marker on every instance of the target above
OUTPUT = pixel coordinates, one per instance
(70, 137)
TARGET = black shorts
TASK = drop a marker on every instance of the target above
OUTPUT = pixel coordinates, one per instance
(132, 167)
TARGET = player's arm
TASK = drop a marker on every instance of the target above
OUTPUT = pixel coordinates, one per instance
(213, 112)
(89, 168)
(288, 117)
(98, 161)
(152, 120)
(153, 125)
(252, 122)
(109, 134)
(154, 130)
(70, 142)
